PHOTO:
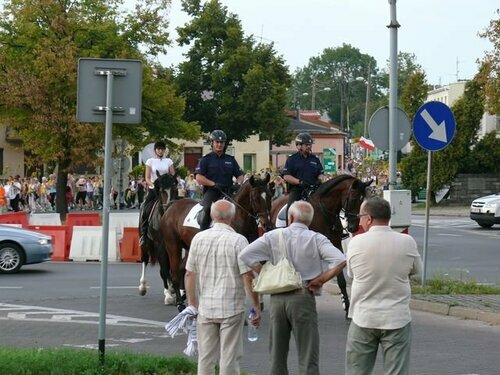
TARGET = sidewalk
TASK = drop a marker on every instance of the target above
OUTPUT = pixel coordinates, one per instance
(445, 210)
(485, 308)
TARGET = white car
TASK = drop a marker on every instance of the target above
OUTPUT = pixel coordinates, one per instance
(486, 210)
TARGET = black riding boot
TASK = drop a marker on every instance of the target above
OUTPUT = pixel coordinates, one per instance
(205, 220)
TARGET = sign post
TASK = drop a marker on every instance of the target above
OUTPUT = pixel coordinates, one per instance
(433, 128)
(96, 101)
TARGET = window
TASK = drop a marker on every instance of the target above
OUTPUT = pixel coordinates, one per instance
(248, 162)
(497, 126)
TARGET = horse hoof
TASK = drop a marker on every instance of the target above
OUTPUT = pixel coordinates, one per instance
(142, 292)
(169, 299)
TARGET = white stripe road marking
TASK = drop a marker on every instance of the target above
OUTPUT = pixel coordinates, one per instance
(70, 316)
(11, 287)
(449, 235)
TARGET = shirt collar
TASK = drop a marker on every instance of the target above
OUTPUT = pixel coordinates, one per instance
(380, 228)
(222, 226)
(298, 225)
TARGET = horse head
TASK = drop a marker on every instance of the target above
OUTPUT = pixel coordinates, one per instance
(256, 197)
(165, 188)
(340, 198)
(352, 199)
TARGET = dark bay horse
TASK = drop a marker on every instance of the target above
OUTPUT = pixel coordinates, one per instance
(153, 250)
(253, 209)
(336, 200)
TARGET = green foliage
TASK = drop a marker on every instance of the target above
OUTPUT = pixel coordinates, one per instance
(86, 362)
(228, 82)
(484, 157)
(468, 111)
(337, 81)
(138, 170)
(491, 63)
(40, 43)
(414, 166)
(450, 286)
(414, 93)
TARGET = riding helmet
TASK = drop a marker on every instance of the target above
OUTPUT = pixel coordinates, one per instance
(218, 135)
(302, 138)
(160, 144)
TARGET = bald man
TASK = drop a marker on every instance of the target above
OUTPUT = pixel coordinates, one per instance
(213, 265)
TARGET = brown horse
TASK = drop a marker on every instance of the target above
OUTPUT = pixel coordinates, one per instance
(253, 208)
(336, 200)
(153, 251)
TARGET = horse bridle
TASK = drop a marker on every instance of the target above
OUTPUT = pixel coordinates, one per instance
(257, 216)
(342, 214)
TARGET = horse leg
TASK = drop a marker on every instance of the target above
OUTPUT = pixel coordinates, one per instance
(142, 282)
(176, 273)
(341, 282)
(165, 275)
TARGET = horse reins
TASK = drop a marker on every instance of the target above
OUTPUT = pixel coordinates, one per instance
(337, 215)
(256, 216)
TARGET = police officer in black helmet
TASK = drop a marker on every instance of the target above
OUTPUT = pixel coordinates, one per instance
(302, 169)
(215, 172)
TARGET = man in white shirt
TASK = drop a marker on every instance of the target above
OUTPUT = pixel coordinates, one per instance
(380, 261)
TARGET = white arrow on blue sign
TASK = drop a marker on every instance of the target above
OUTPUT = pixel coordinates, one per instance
(434, 126)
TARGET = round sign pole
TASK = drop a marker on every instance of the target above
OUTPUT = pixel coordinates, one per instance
(427, 206)
(433, 128)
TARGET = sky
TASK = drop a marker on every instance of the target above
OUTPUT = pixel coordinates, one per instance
(443, 34)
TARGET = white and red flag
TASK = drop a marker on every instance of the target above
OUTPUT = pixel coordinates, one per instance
(366, 143)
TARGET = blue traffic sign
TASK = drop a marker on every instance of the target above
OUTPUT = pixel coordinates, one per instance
(434, 126)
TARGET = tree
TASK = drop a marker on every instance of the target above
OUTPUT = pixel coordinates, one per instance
(228, 82)
(337, 81)
(40, 43)
(492, 65)
(484, 157)
(468, 111)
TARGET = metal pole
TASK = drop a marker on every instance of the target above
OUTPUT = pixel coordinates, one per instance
(393, 95)
(105, 215)
(426, 228)
(367, 102)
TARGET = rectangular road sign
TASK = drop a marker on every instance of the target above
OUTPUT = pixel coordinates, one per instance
(127, 90)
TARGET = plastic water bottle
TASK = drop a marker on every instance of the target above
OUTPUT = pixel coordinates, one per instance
(252, 330)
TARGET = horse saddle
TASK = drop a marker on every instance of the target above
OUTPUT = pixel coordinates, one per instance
(194, 217)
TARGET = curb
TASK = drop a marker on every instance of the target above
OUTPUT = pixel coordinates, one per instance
(439, 308)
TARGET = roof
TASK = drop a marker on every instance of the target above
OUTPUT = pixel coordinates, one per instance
(304, 125)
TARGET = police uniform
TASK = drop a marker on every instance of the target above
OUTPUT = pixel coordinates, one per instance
(221, 170)
(306, 168)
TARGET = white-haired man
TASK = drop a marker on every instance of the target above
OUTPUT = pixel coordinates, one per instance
(295, 311)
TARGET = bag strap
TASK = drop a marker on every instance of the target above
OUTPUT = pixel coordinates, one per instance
(282, 245)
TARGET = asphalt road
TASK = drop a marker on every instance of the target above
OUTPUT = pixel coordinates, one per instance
(459, 248)
(57, 305)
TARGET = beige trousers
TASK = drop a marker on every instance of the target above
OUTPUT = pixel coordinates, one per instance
(222, 336)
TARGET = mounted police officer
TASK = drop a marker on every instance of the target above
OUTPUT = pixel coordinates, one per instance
(302, 169)
(215, 172)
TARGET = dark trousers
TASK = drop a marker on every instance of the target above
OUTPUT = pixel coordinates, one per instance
(209, 196)
(146, 211)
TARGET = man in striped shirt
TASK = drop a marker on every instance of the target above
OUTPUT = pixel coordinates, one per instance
(214, 268)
